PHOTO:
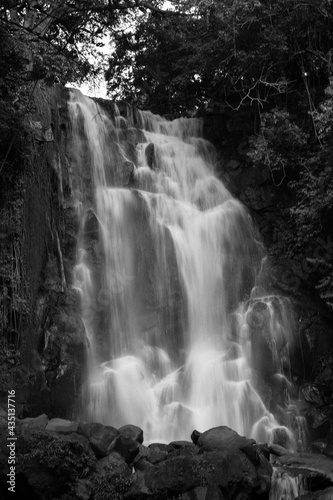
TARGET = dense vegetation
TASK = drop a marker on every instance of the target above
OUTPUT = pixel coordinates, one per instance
(271, 56)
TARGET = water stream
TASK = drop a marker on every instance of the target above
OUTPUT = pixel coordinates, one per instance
(171, 272)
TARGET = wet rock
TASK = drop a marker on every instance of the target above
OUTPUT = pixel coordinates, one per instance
(326, 494)
(150, 155)
(114, 465)
(312, 394)
(181, 444)
(319, 445)
(222, 438)
(127, 173)
(156, 456)
(100, 437)
(132, 431)
(127, 447)
(228, 470)
(51, 463)
(319, 416)
(138, 488)
(185, 448)
(319, 465)
(279, 451)
(159, 446)
(143, 464)
(82, 490)
(36, 423)
(264, 449)
(62, 426)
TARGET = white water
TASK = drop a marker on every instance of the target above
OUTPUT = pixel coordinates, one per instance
(172, 290)
(286, 487)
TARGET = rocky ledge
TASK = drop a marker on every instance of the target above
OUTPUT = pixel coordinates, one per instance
(63, 460)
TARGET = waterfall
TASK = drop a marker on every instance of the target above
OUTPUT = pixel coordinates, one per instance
(171, 274)
(286, 487)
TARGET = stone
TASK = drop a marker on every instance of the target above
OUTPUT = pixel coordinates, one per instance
(176, 448)
(62, 426)
(100, 437)
(320, 466)
(138, 488)
(326, 494)
(133, 432)
(313, 394)
(150, 155)
(319, 445)
(114, 465)
(205, 493)
(52, 463)
(222, 438)
(127, 447)
(35, 423)
(180, 444)
(159, 446)
(156, 456)
(81, 490)
(228, 470)
(279, 451)
(143, 464)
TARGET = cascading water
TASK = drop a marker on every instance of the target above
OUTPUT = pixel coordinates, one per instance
(171, 276)
(285, 486)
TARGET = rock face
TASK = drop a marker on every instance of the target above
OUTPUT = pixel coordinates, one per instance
(40, 312)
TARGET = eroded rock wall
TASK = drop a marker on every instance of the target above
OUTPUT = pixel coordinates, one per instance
(42, 335)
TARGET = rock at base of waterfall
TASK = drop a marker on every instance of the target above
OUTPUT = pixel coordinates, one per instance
(132, 431)
(100, 437)
(61, 425)
(221, 438)
(320, 467)
(279, 451)
(127, 447)
(33, 423)
(113, 465)
(47, 462)
(156, 456)
(205, 493)
(228, 470)
(326, 494)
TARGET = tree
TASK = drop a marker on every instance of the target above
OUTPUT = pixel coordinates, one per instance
(240, 52)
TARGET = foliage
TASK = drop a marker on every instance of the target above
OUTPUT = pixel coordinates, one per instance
(306, 159)
(240, 53)
(107, 487)
(67, 457)
(278, 145)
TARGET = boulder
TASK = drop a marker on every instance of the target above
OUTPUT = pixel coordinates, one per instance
(100, 437)
(133, 432)
(228, 470)
(35, 423)
(159, 446)
(326, 494)
(279, 451)
(51, 463)
(62, 426)
(138, 488)
(150, 155)
(155, 456)
(222, 438)
(321, 467)
(113, 465)
(127, 447)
